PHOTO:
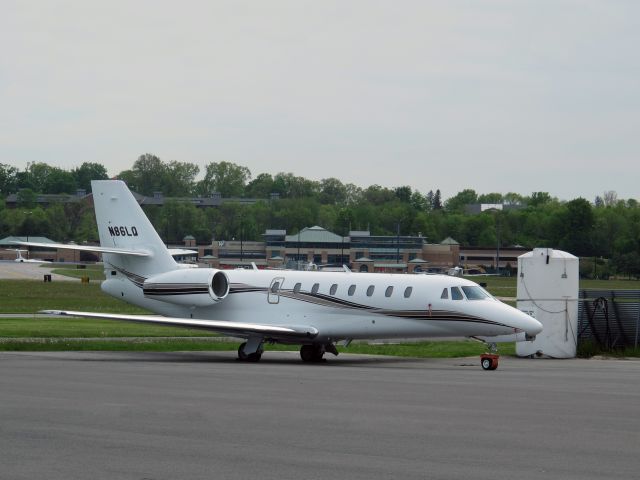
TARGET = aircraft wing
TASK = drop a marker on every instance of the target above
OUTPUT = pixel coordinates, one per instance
(89, 248)
(220, 326)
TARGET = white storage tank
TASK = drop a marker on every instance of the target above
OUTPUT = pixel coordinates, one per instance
(548, 290)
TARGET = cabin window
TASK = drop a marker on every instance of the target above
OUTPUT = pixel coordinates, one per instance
(456, 294)
(475, 293)
(370, 290)
(352, 290)
(296, 288)
(407, 292)
(445, 294)
(275, 287)
(333, 289)
(388, 291)
(315, 288)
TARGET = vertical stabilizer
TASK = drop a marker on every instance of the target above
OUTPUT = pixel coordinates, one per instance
(123, 224)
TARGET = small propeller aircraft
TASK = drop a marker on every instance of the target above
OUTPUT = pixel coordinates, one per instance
(314, 309)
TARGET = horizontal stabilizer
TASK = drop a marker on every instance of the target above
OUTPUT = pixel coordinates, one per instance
(221, 326)
(181, 251)
(88, 248)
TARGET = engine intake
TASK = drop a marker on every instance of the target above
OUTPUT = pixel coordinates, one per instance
(197, 287)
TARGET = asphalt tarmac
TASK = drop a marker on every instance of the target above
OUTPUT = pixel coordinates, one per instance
(205, 415)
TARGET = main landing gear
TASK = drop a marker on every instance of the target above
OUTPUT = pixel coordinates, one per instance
(249, 357)
(489, 361)
(309, 353)
(315, 351)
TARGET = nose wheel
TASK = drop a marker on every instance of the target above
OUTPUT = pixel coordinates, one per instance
(489, 361)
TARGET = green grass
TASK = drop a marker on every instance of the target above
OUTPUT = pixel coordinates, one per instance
(30, 296)
(73, 327)
(506, 286)
(94, 275)
(412, 350)
(138, 345)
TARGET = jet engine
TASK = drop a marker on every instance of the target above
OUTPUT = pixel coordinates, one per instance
(197, 287)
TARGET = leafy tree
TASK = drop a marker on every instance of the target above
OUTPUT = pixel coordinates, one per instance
(26, 198)
(8, 179)
(458, 203)
(512, 198)
(146, 175)
(354, 193)
(490, 198)
(179, 179)
(226, 178)
(437, 201)
(610, 198)
(419, 202)
(89, 171)
(377, 195)
(332, 191)
(291, 186)
(260, 187)
(34, 176)
(403, 193)
(575, 227)
(537, 199)
(59, 181)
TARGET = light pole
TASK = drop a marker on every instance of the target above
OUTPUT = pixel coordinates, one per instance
(27, 213)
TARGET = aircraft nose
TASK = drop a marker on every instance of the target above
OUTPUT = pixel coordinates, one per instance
(531, 326)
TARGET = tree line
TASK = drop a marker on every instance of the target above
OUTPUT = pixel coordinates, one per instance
(607, 229)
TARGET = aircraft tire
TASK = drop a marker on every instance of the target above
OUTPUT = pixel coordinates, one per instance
(311, 353)
(486, 364)
(252, 357)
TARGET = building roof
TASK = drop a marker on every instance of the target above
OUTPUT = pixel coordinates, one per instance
(418, 260)
(363, 259)
(315, 234)
(449, 241)
(275, 232)
(11, 240)
(189, 237)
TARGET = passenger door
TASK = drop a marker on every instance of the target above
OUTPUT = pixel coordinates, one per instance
(273, 295)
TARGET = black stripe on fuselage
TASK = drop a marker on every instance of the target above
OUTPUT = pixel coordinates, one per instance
(330, 301)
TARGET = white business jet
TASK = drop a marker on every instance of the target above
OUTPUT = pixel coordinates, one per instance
(312, 309)
(20, 259)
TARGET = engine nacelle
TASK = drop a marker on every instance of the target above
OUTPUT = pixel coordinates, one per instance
(197, 287)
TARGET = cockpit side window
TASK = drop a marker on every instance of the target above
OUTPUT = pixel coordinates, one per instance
(445, 294)
(456, 294)
(475, 293)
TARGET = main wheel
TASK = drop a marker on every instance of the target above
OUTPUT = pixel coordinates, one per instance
(251, 357)
(311, 353)
(486, 364)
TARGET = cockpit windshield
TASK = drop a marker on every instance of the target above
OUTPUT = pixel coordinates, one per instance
(475, 293)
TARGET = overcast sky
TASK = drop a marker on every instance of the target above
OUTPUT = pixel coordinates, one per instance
(497, 96)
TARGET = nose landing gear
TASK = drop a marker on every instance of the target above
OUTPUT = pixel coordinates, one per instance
(489, 361)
